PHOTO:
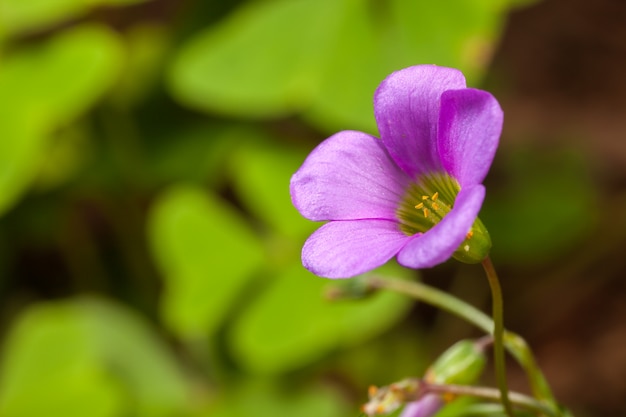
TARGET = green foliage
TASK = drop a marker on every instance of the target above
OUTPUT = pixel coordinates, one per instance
(29, 15)
(462, 363)
(256, 63)
(87, 354)
(266, 399)
(277, 57)
(291, 323)
(34, 103)
(145, 157)
(261, 172)
(206, 252)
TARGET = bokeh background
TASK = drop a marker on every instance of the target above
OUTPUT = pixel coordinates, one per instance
(149, 252)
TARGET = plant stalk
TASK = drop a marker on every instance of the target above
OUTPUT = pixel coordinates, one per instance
(513, 343)
(498, 334)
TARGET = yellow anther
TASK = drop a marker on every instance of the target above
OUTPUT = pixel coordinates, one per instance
(469, 234)
(435, 206)
(419, 206)
(435, 196)
(425, 212)
(424, 197)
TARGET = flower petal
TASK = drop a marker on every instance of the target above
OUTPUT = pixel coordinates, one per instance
(406, 106)
(343, 249)
(439, 243)
(426, 406)
(348, 176)
(470, 123)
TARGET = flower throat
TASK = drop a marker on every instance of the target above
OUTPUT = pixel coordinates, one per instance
(427, 202)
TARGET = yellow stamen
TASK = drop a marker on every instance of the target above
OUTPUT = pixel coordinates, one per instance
(469, 234)
(435, 196)
(425, 212)
(435, 206)
(424, 197)
(419, 206)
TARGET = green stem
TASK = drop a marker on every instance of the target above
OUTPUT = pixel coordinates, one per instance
(437, 298)
(498, 334)
(520, 350)
(520, 400)
(515, 344)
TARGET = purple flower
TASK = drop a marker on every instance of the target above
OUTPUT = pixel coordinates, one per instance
(424, 407)
(415, 193)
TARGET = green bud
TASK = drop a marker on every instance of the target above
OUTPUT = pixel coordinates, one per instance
(476, 245)
(461, 364)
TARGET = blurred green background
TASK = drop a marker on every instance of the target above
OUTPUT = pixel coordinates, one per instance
(149, 252)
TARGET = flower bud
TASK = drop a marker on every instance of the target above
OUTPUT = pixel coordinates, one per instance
(461, 364)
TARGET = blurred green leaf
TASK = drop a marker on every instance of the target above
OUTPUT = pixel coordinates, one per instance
(19, 156)
(377, 39)
(292, 324)
(206, 253)
(354, 66)
(18, 16)
(263, 399)
(327, 57)
(137, 358)
(264, 60)
(86, 357)
(460, 33)
(261, 172)
(80, 65)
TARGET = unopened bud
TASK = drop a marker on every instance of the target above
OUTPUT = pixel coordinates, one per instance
(461, 364)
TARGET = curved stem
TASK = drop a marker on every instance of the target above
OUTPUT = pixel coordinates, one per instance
(498, 334)
(520, 350)
(520, 400)
(436, 298)
(514, 343)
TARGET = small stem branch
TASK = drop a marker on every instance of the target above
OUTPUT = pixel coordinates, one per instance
(514, 343)
(436, 298)
(493, 394)
(498, 334)
(520, 350)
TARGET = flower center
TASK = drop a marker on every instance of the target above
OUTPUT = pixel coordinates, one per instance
(426, 202)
